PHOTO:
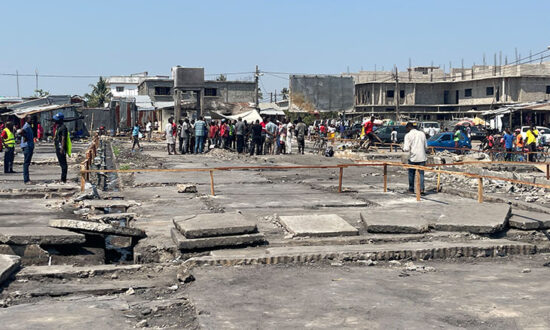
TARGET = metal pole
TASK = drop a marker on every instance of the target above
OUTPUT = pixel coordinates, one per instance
(340, 179)
(385, 177)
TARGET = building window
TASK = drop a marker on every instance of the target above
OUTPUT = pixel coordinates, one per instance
(389, 94)
(490, 91)
(547, 89)
(402, 94)
(120, 89)
(210, 92)
(162, 90)
(468, 92)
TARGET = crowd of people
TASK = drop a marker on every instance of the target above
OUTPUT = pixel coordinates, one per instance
(265, 137)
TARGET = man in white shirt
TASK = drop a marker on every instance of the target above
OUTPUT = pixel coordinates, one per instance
(416, 145)
(169, 133)
(149, 130)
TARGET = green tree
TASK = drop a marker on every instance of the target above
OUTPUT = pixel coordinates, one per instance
(100, 94)
(41, 93)
(222, 77)
(285, 92)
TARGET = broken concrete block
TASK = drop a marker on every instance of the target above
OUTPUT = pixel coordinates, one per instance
(398, 221)
(8, 265)
(111, 203)
(318, 225)
(526, 220)
(39, 235)
(184, 243)
(216, 224)
(112, 216)
(187, 188)
(96, 227)
(482, 218)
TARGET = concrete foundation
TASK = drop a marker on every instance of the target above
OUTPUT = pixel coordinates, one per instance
(318, 225)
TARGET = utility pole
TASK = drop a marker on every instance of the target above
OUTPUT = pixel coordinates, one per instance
(256, 81)
(271, 97)
(17, 76)
(275, 96)
(397, 94)
(36, 75)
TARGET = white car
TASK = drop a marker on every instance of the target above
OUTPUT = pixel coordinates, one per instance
(426, 125)
(544, 131)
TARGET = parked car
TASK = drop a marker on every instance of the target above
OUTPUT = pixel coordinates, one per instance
(477, 133)
(384, 133)
(445, 141)
(426, 125)
(544, 131)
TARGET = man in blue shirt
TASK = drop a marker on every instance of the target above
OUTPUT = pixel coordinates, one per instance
(27, 144)
(508, 144)
(200, 132)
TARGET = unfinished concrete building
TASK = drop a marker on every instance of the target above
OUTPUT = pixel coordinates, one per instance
(429, 93)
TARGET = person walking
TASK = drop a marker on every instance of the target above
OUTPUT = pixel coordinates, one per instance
(135, 137)
(240, 129)
(8, 141)
(200, 133)
(301, 129)
(416, 145)
(149, 130)
(27, 144)
(369, 132)
(169, 135)
(531, 137)
(62, 145)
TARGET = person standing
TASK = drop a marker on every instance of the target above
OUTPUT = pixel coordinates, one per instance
(61, 145)
(185, 135)
(149, 130)
(180, 136)
(393, 137)
(416, 145)
(200, 132)
(39, 132)
(239, 132)
(135, 136)
(8, 141)
(27, 144)
(256, 134)
(169, 134)
(531, 137)
(508, 144)
(301, 129)
(457, 136)
(289, 136)
(271, 131)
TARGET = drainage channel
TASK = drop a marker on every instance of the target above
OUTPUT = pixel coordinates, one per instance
(118, 249)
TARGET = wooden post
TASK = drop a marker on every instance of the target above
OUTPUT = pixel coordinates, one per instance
(212, 183)
(82, 178)
(547, 171)
(385, 177)
(417, 178)
(480, 190)
(340, 179)
(438, 178)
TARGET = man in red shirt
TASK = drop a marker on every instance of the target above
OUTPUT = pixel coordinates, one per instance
(369, 128)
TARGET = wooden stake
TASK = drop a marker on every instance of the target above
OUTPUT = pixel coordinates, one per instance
(82, 178)
(480, 190)
(438, 179)
(547, 171)
(212, 183)
(340, 179)
(385, 177)
(417, 185)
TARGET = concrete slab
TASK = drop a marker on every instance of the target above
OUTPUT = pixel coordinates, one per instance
(527, 220)
(68, 271)
(8, 265)
(112, 216)
(318, 225)
(214, 224)
(397, 221)
(108, 203)
(39, 235)
(480, 218)
(96, 227)
(215, 242)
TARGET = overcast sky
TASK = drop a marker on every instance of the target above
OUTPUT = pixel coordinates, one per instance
(325, 37)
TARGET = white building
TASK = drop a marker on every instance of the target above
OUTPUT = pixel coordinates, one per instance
(125, 86)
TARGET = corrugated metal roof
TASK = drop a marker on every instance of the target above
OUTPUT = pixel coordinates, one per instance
(144, 103)
(22, 113)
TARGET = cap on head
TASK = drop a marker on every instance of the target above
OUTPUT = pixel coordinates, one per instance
(409, 125)
(58, 116)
